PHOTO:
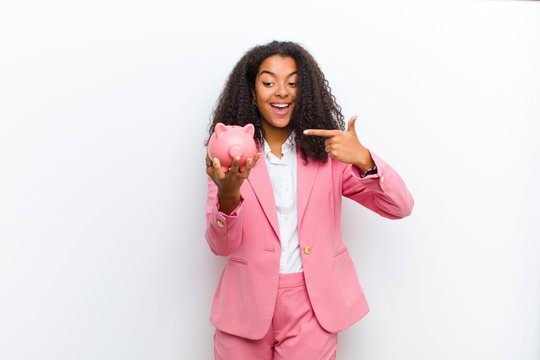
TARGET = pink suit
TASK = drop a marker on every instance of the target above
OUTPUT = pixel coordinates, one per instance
(246, 293)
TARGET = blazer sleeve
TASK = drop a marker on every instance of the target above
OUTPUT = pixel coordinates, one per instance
(223, 232)
(384, 193)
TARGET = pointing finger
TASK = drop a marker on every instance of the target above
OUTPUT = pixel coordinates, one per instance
(321, 132)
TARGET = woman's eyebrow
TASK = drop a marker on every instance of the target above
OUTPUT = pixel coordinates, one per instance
(271, 73)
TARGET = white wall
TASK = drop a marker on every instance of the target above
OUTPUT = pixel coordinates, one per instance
(103, 113)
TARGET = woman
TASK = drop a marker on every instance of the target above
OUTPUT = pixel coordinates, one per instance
(289, 285)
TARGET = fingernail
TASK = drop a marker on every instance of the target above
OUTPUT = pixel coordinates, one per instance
(307, 132)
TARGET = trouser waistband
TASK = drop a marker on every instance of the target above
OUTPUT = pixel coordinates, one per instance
(291, 280)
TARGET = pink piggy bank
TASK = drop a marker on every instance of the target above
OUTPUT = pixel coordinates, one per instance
(230, 141)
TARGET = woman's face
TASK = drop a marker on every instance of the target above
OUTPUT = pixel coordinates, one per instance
(275, 91)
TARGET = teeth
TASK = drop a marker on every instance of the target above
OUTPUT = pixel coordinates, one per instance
(280, 105)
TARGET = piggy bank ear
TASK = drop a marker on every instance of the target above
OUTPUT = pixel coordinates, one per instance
(249, 129)
(220, 129)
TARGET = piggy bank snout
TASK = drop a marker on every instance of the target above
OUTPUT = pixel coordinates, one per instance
(235, 151)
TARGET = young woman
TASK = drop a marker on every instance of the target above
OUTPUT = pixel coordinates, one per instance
(289, 285)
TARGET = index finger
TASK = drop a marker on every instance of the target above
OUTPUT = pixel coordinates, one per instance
(321, 132)
(250, 164)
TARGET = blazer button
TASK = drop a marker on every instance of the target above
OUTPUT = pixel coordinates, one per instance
(307, 249)
(220, 223)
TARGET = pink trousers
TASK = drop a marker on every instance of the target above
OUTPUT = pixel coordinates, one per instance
(294, 333)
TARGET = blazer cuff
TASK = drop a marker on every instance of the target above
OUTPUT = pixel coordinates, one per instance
(233, 213)
(372, 181)
(223, 222)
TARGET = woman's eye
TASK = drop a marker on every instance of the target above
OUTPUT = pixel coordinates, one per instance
(267, 83)
(293, 84)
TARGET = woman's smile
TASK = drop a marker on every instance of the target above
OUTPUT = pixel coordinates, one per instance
(281, 109)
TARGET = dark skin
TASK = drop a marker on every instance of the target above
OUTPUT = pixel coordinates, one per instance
(345, 146)
(229, 182)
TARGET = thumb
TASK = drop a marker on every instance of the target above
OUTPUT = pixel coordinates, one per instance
(350, 125)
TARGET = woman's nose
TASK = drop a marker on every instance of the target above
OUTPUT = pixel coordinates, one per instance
(281, 91)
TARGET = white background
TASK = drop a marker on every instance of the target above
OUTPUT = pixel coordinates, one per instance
(104, 108)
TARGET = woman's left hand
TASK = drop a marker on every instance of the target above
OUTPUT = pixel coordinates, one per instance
(345, 146)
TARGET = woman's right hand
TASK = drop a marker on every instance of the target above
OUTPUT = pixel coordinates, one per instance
(229, 183)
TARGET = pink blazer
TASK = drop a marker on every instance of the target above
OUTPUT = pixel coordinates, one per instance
(246, 293)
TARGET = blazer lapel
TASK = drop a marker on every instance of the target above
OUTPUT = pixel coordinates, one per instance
(262, 187)
(306, 174)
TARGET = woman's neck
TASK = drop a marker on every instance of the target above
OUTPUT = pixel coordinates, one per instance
(276, 137)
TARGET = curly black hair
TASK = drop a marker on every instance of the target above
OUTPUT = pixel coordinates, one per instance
(315, 106)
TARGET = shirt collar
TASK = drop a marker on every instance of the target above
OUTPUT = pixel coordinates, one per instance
(288, 145)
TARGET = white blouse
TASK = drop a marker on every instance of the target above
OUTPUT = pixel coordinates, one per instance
(283, 177)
